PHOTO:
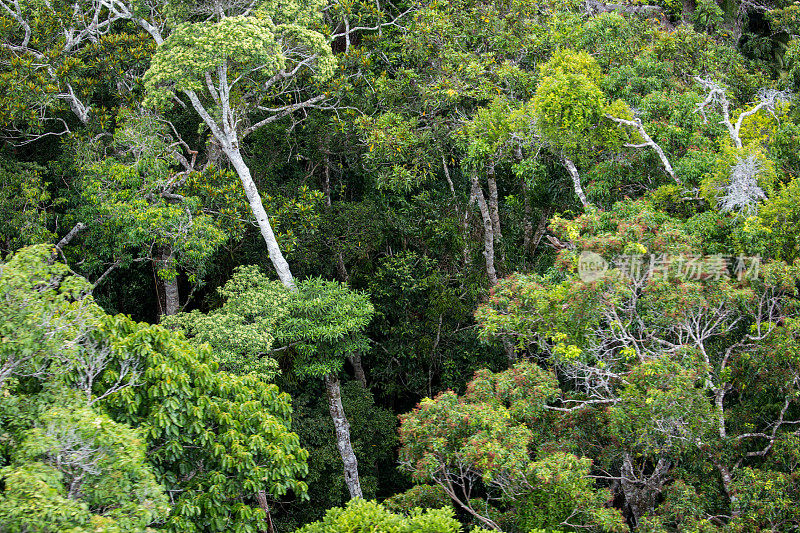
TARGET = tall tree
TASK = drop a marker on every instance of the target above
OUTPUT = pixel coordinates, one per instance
(241, 69)
(321, 324)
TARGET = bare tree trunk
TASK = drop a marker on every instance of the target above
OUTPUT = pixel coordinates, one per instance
(648, 141)
(285, 274)
(488, 230)
(358, 369)
(326, 184)
(727, 485)
(494, 213)
(494, 206)
(169, 284)
(261, 496)
(527, 226)
(228, 137)
(342, 427)
(576, 181)
(447, 176)
(344, 277)
(640, 490)
(256, 205)
(59, 248)
(447, 485)
(171, 296)
(541, 228)
(465, 227)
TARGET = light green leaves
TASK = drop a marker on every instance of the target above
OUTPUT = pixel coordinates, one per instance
(192, 50)
(86, 394)
(243, 51)
(242, 331)
(361, 515)
(569, 102)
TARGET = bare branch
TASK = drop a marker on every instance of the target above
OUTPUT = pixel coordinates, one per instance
(636, 123)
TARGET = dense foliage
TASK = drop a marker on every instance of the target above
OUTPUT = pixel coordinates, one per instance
(524, 266)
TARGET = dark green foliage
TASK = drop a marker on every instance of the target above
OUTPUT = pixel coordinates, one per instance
(374, 438)
(449, 137)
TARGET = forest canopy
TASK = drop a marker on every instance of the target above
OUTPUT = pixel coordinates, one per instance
(326, 266)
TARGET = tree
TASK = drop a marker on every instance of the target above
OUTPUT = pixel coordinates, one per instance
(667, 350)
(571, 108)
(142, 210)
(325, 324)
(479, 449)
(23, 201)
(78, 470)
(240, 62)
(320, 324)
(243, 330)
(92, 392)
(247, 452)
(58, 58)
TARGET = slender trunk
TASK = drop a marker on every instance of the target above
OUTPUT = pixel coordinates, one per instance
(527, 226)
(168, 292)
(256, 205)
(171, 296)
(719, 403)
(285, 275)
(576, 181)
(447, 176)
(227, 135)
(59, 248)
(447, 485)
(465, 228)
(491, 228)
(488, 230)
(326, 184)
(344, 277)
(433, 356)
(541, 228)
(261, 496)
(727, 485)
(342, 427)
(358, 369)
(494, 206)
(494, 213)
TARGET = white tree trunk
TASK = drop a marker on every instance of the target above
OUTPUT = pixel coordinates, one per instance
(257, 207)
(576, 181)
(342, 427)
(465, 228)
(488, 230)
(494, 212)
(494, 206)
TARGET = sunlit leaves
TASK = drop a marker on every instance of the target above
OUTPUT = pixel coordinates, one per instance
(361, 515)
